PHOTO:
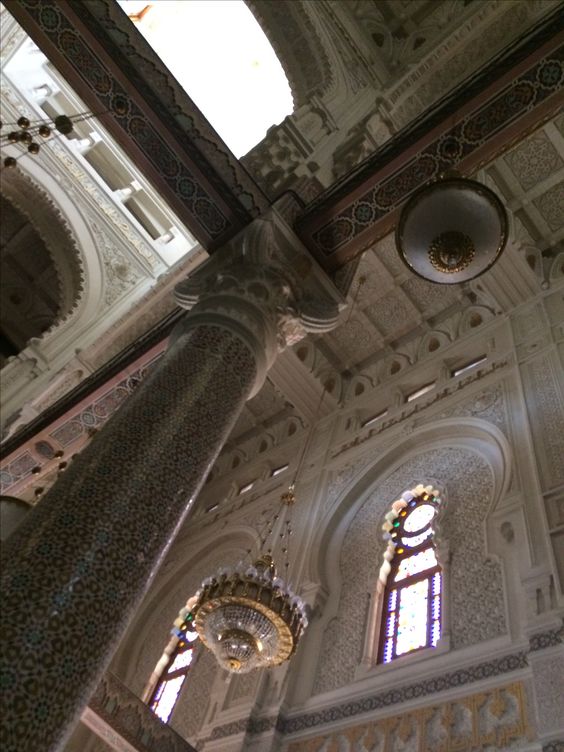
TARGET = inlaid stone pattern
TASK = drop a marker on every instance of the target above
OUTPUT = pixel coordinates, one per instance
(386, 699)
(339, 227)
(476, 592)
(133, 485)
(495, 719)
(543, 640)
(96, 414)
(207, 216)
(20, 467)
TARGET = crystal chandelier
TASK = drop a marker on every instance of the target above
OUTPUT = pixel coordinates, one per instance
(451, 230)
(250, 618)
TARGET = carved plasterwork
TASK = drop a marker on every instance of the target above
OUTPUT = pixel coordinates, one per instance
(550, 205)
(120, 273)
(264, 286)
(488, 404)
(53, 229)
(534, 160)
(476, 602)
(77, 177)
(125, 723)
(548, 672)
(399, 319)
(77, 183)
(471, 44)
(545, 402)
(387, 65)
(295, 39)
(193, 703)
(496, 718)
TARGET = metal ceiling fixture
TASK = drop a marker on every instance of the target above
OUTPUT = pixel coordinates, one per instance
(452, 230)
(25, 131)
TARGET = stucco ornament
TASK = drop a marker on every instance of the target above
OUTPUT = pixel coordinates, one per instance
(265, 287)
(476, 590)
(52, 227)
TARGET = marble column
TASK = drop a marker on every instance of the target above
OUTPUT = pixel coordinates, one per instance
(76, 570)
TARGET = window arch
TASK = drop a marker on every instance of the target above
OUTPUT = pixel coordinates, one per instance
(170, 672)
(410, 576)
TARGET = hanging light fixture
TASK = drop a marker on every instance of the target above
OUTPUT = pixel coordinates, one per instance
(25, 133)
(451, 230)
(249, 617)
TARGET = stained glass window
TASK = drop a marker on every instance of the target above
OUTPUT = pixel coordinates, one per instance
(175, 669)
(411, 617)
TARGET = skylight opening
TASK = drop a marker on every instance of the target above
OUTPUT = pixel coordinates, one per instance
(420, 392)
(219, 54)
(468, 366)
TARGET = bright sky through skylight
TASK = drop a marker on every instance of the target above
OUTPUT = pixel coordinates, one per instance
(217, 51)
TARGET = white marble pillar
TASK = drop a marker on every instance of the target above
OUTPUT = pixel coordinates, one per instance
(76, 570)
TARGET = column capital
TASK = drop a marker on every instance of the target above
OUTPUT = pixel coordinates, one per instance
(266, 287)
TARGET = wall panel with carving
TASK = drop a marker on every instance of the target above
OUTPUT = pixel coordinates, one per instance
(476, 607)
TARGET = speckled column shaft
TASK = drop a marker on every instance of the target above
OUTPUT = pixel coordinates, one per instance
(75, 572)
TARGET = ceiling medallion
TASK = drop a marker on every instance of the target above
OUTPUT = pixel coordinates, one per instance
(452, 230)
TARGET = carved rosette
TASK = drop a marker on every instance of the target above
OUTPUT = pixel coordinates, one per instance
(265, 287)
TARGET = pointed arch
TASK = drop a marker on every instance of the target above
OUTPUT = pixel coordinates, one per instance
(455, 454)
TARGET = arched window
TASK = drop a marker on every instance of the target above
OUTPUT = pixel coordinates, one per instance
(171, 670)
(411, 576)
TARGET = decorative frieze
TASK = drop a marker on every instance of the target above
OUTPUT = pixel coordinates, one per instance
(549, 639)
(496, 718)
